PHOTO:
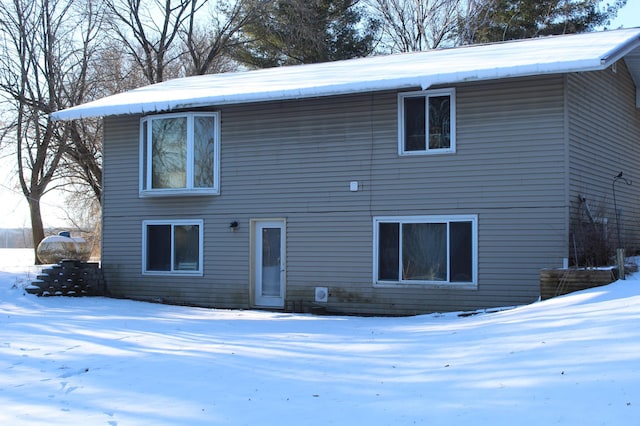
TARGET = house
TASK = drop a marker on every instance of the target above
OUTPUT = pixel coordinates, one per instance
(389, 185)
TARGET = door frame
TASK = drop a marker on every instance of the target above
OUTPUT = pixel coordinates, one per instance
(256, 261)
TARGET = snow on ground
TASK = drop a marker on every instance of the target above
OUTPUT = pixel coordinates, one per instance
(572, 360)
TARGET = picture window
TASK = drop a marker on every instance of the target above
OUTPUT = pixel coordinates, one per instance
(426, 250)
(180, 154)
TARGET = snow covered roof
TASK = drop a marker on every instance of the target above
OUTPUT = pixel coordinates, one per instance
(545, 55)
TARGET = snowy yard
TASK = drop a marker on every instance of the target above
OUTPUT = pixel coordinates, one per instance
(572, 360)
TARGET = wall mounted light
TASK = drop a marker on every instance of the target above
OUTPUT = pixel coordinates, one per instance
(234, 225)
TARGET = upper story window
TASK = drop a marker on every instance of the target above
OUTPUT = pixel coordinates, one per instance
(180, 154)
(426, 122)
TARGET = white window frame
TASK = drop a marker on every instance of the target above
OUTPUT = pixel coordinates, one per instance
(427, 219)
(189, 189)
(451, 92)
(173, 223)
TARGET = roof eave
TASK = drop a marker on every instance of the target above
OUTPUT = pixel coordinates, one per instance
(176, 96)
(424, 82)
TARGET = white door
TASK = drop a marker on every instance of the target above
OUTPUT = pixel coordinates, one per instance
(269, 263)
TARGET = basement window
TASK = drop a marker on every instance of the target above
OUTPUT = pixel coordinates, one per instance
(172, 247)
(426, 250)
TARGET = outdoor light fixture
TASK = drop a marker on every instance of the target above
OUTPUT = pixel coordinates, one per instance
(234, 225)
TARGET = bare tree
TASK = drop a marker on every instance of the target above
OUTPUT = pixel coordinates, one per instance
(83, 212)
(416, 25)
(149, 31)
(40, 73)
(83, 155)
(84, 151)
(475, 15)
(174, 38)
(208, 43)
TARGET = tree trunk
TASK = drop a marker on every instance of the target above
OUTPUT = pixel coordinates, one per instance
(37, 229)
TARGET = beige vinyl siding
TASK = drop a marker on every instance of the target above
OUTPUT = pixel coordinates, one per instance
(509, 170)
(296, 157)
(294, 160)
(604, 135)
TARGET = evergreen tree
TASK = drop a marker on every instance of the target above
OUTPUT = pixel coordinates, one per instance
(303, 31)
(517, 19)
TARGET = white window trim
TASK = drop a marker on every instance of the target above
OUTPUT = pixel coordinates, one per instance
(451, 92)
(189, 189)
(174, 222)
(428, 219)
